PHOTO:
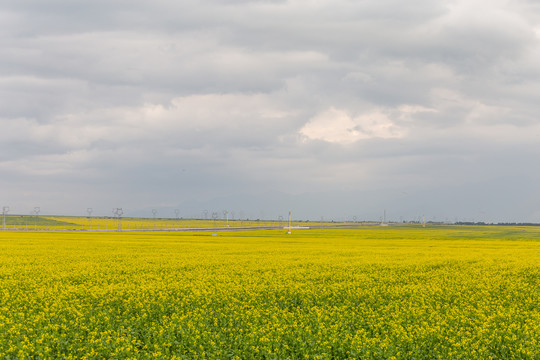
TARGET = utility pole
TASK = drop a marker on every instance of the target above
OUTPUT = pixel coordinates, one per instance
(177, 213)
(154, 212)
(289, 232)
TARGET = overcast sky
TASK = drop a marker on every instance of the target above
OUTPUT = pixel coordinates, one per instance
(331, 108)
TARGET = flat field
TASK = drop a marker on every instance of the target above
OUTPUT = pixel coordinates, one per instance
(396, 292)
(52, 223)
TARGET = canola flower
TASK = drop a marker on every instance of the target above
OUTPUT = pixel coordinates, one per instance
(370, 293)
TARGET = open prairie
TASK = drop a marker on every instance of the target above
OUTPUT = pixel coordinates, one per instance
(396, 292)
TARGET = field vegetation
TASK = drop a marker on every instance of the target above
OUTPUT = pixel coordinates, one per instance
(396, 292)
(30, 222)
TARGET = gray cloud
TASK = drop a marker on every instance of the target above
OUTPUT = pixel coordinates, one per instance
(148, 104)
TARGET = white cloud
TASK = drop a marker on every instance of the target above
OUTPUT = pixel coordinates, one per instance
(337, 126)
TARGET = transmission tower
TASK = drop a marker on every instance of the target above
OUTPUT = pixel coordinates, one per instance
(36, 212)
(89, 212)
(118, 212)
(5, 210)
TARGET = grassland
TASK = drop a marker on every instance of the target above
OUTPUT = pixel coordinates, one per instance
(370, 293)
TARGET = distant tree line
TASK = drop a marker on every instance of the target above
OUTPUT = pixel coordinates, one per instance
(499, 224)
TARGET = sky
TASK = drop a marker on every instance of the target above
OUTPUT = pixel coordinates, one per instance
(332, 109)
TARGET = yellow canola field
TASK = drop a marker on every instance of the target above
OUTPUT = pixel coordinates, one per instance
(445, 292)
(101, 223)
